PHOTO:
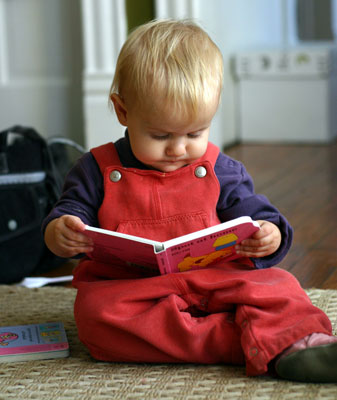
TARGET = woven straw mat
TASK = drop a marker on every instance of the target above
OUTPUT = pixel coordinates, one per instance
(80, 377)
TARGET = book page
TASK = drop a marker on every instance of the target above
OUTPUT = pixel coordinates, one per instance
(210, 230)
(218, 244)
(110, 246)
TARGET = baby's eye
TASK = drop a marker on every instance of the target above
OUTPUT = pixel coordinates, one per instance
(159, 137)
(194, 135)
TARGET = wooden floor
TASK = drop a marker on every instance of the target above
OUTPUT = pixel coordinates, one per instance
(301, 180)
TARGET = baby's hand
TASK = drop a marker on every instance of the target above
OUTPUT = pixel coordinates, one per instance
(262, 243)
(64, 237)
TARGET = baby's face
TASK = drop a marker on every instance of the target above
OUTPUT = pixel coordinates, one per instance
(167, 142)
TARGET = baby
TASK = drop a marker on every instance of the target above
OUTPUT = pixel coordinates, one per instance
(166, 91)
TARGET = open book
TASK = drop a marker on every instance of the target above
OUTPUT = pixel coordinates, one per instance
(193, 251)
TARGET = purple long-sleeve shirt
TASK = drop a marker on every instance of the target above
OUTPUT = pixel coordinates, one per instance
(83, 194)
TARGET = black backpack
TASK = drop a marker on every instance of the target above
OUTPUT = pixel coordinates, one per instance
(32, 172)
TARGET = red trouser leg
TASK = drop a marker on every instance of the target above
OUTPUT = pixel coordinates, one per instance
(250, 316)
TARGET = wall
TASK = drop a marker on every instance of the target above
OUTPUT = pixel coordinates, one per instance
(237, 26)
(47, 83)
(233, 25)
(40, 66)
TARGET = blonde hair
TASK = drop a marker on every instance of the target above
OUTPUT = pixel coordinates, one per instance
(171, 61)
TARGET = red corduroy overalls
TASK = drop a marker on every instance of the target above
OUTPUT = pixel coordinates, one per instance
(230, 313)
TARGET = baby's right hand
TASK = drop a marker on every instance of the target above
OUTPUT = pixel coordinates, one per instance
(64, 237)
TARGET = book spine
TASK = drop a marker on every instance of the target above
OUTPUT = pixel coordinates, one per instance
(163, 263)
(34, 349)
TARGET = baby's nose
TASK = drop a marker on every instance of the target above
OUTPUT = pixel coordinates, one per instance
(176, 149)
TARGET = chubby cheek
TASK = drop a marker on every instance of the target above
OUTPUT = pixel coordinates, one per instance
(197, 150)
(146, 150)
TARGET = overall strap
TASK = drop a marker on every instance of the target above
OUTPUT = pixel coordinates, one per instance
(106, 155)
(212, 153)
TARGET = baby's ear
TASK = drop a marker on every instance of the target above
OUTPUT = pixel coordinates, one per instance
(120, 108)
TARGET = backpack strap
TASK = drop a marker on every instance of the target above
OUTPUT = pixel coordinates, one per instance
(46, 158)
(27, 132)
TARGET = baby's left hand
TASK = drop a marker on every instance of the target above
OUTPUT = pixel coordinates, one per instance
(263, 243)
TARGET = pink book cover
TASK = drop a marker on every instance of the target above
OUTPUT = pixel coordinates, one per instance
(193, 251)
(35, 341)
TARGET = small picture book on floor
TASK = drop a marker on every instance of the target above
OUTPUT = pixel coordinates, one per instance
(33, 342)
(193, 251)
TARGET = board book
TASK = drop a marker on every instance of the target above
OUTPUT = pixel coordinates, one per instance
(192, 251)
(33, 342)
